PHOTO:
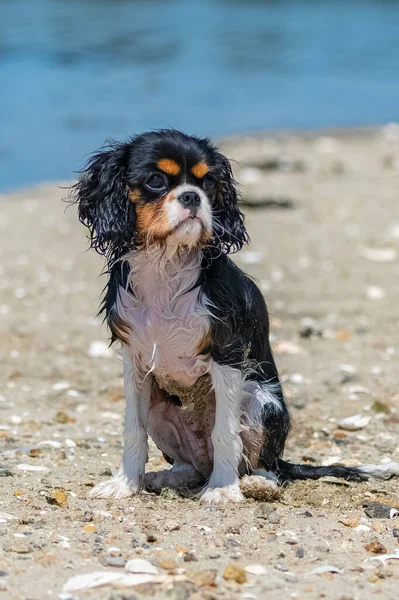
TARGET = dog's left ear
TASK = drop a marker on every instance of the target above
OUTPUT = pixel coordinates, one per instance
(103, 202)
(230, 231)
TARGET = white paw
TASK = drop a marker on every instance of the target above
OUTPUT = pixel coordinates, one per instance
(222, 495)
(117, 487)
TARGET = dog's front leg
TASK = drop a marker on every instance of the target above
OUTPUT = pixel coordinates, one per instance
(227, 445)
(128, 480)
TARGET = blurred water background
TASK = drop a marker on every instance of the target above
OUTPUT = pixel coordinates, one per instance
(74, 72)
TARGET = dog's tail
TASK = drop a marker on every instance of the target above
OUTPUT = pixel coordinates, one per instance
(287, 471)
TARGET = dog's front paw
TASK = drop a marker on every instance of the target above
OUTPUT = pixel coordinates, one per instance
(117, 487)
(222, 495)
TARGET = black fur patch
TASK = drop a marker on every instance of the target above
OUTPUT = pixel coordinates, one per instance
(240, 339)
(117, 277)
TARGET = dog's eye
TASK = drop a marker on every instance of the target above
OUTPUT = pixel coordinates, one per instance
(156, 182)
(208, 183)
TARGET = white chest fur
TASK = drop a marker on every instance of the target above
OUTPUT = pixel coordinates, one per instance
(167, 316)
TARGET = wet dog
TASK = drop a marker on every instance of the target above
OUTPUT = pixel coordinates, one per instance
(199, 372)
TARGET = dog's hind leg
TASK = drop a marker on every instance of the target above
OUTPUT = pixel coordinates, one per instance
(179, 477)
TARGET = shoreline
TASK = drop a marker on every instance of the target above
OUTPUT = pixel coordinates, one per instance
(279, 135)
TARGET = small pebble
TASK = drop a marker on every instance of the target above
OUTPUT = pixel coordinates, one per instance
(274, 518)
(281, 567)
(168, 564)
(151, 537)
(300, 553)
(235, 573)
(59, 497)
(88, 516)
(377, 510)
(190, 557)
(264, 510)
(395, 533)
(5, 473)
(376, 547)
(322, 548)
(298, 403)
(106, 473)
(61, 417)
(178, 592)
(113, 561)
(232, 543)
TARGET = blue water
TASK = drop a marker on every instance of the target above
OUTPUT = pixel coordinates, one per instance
(73, 73)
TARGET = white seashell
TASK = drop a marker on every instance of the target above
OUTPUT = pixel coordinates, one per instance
(60, 385)
(15, 419)
(297, 378)
(380, 255)
(7, 517)
(287, 347)
(255, 569)
(90, 580)
(375, 293)
(326, 569)
(354, 422)
(139, 565)
(103, 514)
(51, 443)
(332, 460)
(99, 578)
(361, 528)
(25, 467)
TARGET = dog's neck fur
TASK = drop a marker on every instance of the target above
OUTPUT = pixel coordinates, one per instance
(166, 313)
(157, 276)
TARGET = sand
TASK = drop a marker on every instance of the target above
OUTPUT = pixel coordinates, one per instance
(323, 215)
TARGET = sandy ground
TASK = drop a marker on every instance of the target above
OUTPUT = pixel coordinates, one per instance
(326, 257)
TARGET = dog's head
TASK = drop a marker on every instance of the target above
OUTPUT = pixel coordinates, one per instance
(161, 187)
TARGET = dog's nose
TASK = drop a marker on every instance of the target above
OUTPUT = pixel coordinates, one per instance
(190, 200)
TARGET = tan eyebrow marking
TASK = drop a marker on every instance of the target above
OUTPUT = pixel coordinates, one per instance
(134, 196)
(169, 166)
(200, 169)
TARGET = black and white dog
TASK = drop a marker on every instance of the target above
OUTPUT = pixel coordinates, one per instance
(199, 373)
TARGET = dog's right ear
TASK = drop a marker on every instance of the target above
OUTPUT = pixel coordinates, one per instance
(103, 201)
